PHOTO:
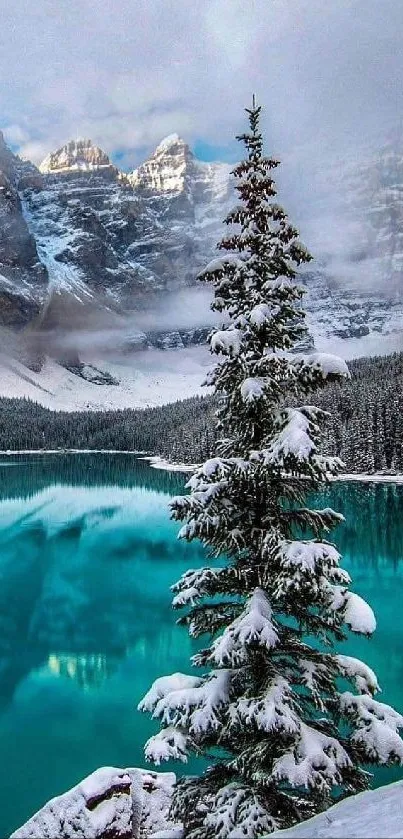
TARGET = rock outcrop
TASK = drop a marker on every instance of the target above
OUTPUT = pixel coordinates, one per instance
(109, 804)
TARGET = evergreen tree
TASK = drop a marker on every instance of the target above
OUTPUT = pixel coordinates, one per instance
(284, 737)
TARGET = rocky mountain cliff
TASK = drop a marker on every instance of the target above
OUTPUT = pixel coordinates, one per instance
(82, 242)
(77, 155)
(378, 194)
(23, 278)
(121, 241)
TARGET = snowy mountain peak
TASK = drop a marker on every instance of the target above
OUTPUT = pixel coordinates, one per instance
(166, 170)
(80, 154)
(172, 144)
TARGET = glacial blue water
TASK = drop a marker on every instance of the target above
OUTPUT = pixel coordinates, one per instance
(87, 555)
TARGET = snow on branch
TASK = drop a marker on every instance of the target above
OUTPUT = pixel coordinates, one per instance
(314, 674)
(306, 563)
(193, 707)
(316, 761)
(169, 744)
(294, 439)
(236, 812)
(221, 264)
(216, 467)
(194, 584)
(357, 613)
(377, 728)
(261, 314)
(353, 668)
(273, 711)
(166, 685)
(252, 388)
(253, 626)
(329, 364)
(227, 342)
(308, 556)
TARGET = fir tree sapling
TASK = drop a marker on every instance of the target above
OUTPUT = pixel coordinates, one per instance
(287, 723)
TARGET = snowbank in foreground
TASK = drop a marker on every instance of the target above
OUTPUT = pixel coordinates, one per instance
(377, 814)
(134, 803)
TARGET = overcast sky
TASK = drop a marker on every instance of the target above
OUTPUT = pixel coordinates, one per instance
(128, 72)
(125, 73)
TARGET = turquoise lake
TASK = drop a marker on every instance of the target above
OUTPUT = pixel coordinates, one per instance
(87, 555)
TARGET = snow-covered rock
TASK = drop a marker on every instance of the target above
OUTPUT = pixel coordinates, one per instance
(118, 803)
(173, 168)
(75, 156)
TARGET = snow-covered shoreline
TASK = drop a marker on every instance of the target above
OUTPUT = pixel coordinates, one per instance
(367, 478)
(360, 477)
(157, 462)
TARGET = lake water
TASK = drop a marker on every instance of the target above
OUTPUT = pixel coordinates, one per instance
(87, 555)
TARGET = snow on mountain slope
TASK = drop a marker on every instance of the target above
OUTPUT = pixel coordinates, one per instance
(80, 221)
(173, 168)
(166, 169)
(151, 378)
(145, 378)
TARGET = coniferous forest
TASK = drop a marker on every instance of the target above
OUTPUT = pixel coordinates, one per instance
(365, 426)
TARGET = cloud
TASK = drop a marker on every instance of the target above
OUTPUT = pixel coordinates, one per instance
(128, 72)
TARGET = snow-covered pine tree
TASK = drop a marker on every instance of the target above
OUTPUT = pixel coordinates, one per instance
(271, 710)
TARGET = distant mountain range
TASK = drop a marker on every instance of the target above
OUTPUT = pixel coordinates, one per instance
(87, 249)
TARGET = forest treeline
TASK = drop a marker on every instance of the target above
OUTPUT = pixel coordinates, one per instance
(365, 426)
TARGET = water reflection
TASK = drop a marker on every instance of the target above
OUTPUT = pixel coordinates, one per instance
(22, 476)
(81, 571)
(88, 670)
(374, 521)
